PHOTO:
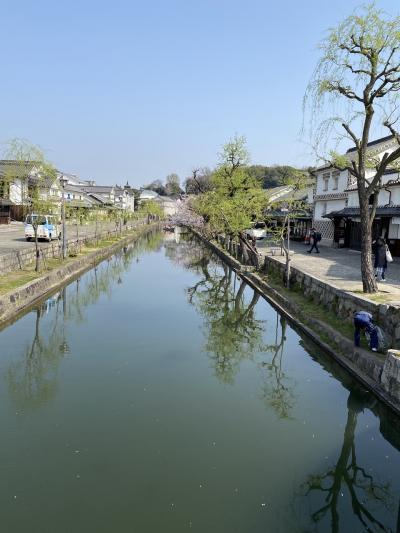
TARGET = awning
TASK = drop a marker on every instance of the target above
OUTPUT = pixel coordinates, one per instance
(349, 212)
(294, 214)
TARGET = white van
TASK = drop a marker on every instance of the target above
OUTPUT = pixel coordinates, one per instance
(48, 228)
(258, 231)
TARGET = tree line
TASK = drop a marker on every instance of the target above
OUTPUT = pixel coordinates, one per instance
(201, 179)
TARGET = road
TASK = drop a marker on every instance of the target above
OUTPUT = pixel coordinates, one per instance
(12, 237)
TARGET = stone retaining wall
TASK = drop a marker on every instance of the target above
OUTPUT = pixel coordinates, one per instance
(342, 303)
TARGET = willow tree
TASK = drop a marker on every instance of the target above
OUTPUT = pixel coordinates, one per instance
(353, 92)
(236, 200)
(25, 160)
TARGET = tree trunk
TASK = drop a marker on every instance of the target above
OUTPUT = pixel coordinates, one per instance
(287, 252)
(367, 270)
(287, 262)
(227, 242)
(239, 295)
(243, 247)
(37, 251)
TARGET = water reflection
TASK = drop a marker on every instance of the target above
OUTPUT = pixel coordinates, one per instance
(32, 375)
(32, 379)
(346, 491)
(232, 331)
(278, 387)
(346, 484)
(371, 499)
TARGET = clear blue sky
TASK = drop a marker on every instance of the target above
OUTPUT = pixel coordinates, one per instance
(136, 90)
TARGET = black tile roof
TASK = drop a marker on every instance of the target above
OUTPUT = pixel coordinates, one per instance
(372, 143)
(385, 210)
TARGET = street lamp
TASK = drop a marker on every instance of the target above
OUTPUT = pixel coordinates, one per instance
(63, 181)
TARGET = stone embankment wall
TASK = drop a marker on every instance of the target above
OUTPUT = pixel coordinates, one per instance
(21, 259)
(377, 372)
(342, 303)
(21, 299)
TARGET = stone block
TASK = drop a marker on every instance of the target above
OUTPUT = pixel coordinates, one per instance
(390, 378)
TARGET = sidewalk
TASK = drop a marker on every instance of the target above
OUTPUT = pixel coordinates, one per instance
(339, 267)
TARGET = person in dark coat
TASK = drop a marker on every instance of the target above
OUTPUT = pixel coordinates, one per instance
(363, 321)
(380, 263)
(313, 241)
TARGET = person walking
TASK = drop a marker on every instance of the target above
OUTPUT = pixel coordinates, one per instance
(315, 237)
(380, 261)
(363, 321)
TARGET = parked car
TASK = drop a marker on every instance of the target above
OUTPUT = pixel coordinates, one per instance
(258, 231)
(47, 228)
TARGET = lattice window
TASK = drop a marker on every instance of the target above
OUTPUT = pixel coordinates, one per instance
(325, 227)
(351, 181)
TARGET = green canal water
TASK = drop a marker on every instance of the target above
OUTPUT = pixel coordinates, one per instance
(158, 393)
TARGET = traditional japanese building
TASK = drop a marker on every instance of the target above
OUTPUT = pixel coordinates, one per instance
(336, 205)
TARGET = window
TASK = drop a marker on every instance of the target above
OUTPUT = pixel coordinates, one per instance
(335, 177)
(325, 177)
(324, 208)
(4, 189)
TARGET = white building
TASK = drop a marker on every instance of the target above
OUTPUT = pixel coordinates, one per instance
(19, 181)
(147, 194)
(336, 206)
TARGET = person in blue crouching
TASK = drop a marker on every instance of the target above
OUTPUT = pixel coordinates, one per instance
(363, 321)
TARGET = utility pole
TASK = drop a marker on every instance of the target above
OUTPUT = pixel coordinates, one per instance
(63, 181)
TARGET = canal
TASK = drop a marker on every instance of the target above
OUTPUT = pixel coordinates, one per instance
(159, 393)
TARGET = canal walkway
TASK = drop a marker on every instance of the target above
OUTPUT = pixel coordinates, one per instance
(339, 267)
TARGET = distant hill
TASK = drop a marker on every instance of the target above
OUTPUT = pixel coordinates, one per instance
(275, 175)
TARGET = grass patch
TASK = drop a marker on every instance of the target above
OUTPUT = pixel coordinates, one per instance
(311, 311)
(13, 280)
(379, 297)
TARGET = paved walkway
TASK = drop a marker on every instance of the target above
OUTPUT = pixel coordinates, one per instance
(339, 267)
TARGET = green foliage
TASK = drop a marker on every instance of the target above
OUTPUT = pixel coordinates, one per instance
(274, 176)
(338, 160)
(150, 207)
(172, 186)
(156, 186)
(237, 199)
(362, 52)
(199, 182)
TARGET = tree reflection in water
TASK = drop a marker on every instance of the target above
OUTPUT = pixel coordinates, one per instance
(232, 331)
(278, 387)
(32, 378)
(347, 482)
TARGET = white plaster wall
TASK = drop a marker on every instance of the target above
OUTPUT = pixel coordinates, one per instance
(342, 182)
(395, 195)
(394, 231)
(352, 200)
(383, 198)
(16, 191)
(331, 205)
